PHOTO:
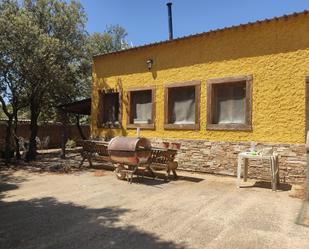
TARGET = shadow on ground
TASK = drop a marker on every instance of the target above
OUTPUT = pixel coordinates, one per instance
(48, 162)
(303, 216)
(265, 184)
(148, 179)
(48, 223)
(9, 182)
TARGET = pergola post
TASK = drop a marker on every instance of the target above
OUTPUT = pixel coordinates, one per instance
(81, 107)
(64, 131)
(79, 128)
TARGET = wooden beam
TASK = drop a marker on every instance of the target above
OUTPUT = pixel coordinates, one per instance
(64, 132)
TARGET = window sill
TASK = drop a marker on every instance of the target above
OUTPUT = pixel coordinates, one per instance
(181, 126)
(142, 126)
(229, 127)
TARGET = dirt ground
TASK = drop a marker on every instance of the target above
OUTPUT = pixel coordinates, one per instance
(92, 209)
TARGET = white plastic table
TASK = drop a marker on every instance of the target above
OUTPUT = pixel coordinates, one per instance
(243, 159)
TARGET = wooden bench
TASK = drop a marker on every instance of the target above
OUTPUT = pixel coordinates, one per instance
(163, 159)
(93, 149)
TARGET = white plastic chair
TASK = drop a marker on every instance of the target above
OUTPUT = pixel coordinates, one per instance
(45, 142)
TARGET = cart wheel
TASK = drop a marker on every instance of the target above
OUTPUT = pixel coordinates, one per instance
(120, 173)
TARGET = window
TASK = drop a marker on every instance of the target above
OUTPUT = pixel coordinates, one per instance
(109, 114)
(182, 107)
(229, 103)
(141, 108)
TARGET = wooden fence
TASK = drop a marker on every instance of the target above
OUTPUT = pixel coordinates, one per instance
(53, 130)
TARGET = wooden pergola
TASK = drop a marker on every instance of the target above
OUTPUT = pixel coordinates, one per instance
(81, 107)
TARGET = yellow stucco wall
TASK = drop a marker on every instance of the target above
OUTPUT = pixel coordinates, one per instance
(276, 53)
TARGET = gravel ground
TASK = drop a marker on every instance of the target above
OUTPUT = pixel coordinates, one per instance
(92, 209)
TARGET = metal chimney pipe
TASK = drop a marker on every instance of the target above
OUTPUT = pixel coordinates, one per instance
(170, 20)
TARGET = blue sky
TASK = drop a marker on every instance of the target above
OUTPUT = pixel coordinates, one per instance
(146, 20)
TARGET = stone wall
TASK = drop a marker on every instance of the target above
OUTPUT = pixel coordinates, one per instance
(221, 158)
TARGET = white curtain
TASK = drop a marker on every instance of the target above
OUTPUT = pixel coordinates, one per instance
(182, 100)
(142, 107)
(230, 104)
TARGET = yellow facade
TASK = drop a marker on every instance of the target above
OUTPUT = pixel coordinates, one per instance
(275, 53)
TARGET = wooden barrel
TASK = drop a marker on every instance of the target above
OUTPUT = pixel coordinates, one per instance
(129, 150)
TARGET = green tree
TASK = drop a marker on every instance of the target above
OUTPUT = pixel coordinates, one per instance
(53, 48)
(47, 54)
(12, 91)
(113, 39)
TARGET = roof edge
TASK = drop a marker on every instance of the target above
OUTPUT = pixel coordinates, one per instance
(284, 17)
(74, 103)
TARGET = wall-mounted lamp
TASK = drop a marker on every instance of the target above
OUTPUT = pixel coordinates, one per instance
(149, 63)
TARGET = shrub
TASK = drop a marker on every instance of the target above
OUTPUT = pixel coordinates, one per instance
(70, 144)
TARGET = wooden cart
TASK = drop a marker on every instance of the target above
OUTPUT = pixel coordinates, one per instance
(129, 159)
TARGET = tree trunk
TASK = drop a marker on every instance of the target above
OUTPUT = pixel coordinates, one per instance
(8, 140)
(31, 154)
